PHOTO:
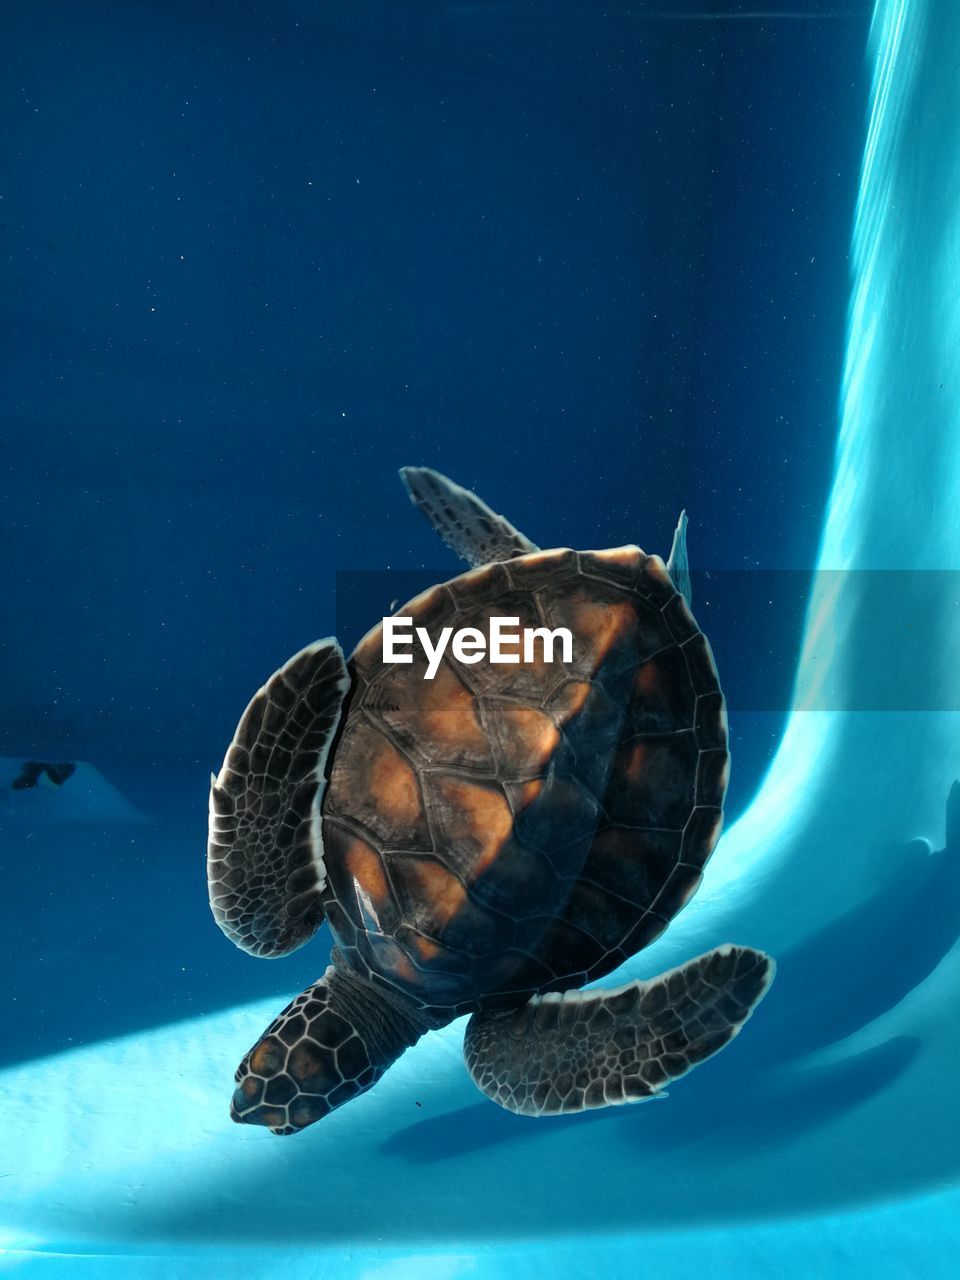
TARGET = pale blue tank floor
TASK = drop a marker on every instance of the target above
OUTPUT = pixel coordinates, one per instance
(910, 1240)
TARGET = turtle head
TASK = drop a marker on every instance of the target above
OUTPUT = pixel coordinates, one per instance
(329, 1045)
(287, 1087)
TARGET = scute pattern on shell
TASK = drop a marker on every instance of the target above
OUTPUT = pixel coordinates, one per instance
(507, 829)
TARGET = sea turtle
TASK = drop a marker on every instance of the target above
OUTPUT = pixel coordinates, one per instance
(488, 841)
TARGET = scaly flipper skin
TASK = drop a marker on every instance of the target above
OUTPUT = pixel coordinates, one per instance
(265, 869)
(465, 522)
(583, 1049)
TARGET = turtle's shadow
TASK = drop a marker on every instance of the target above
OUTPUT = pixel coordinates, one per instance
(758, 1093)
(784, 1106)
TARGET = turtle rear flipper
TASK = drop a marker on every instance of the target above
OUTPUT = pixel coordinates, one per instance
(265, 854)
(678, 565)
(575, 1050)
(465, 522)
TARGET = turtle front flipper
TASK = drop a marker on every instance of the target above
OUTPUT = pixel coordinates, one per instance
(465, 523)
(575, 1050)
(330, 1044)
(264, 854)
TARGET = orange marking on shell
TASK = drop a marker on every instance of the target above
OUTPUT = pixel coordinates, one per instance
(479, 815)
(273, 1119)
(424, 948)
(570, 701)
(402, 968)
(394, 786)
(366, 869)
(447, 713)
(529, 740)
(598, 627)
(648, 680)
(637, 762)
(249, 1087)
(529, 792)
(442, 894)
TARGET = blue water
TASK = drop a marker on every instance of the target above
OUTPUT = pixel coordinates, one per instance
(598, 266)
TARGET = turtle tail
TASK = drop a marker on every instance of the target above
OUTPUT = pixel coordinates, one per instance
(332, 1042)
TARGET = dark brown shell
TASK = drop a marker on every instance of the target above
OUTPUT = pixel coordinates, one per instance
(505, 829)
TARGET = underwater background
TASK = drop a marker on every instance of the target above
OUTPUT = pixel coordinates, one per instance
(598, 263)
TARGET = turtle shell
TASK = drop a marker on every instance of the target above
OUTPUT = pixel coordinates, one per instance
(506, 829)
